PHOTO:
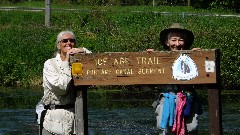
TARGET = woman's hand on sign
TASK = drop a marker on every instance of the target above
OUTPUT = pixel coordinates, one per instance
(150, 50)
(196, 49)
(73, 51)
(76, 50)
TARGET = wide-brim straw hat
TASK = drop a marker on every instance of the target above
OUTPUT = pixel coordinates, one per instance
(177, 27)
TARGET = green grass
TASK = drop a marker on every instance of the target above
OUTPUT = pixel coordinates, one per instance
(27, 43)
(100, 97)
(16, 97)
(173, 9)
(25, 4)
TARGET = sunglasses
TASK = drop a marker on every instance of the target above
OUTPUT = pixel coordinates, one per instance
(69, 39)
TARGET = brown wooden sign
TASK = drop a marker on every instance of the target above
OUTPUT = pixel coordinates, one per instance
(128, 68)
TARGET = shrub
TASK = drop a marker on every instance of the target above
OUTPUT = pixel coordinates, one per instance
(27, 43)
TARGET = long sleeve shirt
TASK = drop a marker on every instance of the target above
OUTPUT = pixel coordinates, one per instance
(57, 82)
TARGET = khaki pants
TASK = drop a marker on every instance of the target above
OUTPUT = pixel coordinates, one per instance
(45, 132)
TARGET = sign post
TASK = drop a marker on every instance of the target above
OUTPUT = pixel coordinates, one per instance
(165, 67)
(47, 13)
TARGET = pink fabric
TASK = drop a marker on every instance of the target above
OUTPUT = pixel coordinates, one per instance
(179, 126)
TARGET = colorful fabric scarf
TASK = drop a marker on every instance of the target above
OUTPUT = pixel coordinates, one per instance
(168, 110)
(179, 126)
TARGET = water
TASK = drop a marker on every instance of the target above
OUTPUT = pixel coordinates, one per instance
(109, 112)
(132, 121)
(18, 122)
(124, 121)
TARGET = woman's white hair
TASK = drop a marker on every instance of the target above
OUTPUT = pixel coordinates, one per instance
(59, 36)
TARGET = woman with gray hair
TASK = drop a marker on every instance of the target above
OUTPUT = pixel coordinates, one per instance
(59, 94)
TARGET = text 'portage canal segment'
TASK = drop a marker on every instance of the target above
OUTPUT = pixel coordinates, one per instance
(127, 68)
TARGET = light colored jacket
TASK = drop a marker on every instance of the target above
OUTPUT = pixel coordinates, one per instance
(56, 82)
(58, 90)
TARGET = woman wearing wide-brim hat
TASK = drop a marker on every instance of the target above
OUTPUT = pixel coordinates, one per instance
(177, 30)
(176, 38)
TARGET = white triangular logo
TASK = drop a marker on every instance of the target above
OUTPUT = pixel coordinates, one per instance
(184, 68)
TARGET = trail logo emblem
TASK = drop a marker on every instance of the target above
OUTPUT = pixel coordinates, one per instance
(184, 68)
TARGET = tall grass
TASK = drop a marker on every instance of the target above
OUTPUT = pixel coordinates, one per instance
(27, 43)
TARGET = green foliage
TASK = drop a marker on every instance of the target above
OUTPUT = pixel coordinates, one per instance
(107, 98)
(218, 4)
(221, 33)
(27, 43)
(202, 4)
(25, 48)
(16, 97)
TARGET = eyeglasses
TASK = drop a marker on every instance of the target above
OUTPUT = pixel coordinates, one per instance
(69, 39)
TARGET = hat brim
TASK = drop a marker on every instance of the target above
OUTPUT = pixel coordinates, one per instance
(188, 41)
